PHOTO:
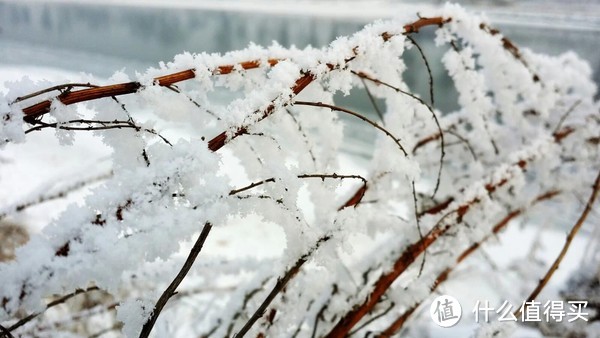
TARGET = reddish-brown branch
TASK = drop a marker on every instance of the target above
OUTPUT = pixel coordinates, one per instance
(558, 137)
(219, 141)
(422, 22)
(356, 197)
(442, 277)
(89, 94)
(588, 207)
(508, 45)
(436, 208)
(412, 252)
(561, 134)
(426, 140)
(406, 258)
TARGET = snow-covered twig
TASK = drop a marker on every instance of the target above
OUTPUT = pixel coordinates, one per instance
(544, 280)
(170, 290)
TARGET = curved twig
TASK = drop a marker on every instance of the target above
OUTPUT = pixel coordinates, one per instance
(279, 286)
(440, 134)
(463, 140)
(414, 42)
(565, 115)
(350, 112)
(170, 79)
(544, 280)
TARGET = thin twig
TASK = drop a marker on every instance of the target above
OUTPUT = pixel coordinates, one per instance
(102, 332)
(416, 207)
(92, 126)
(279, 286)
(350, 112)
(544, 281)
(372, 319)
(250, 186)
(565, 115)
(175, 89)
(60, 194)
(440, 135)
(319, 316)
(247, 297)
(50, 305)
(67, 86)
(372, 99)
(334, 176)
(170, 290)
(304, 136)
(463, 140)
(414, 42)
(442, 277)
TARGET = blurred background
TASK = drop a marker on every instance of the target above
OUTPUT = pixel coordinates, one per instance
(41, 38)
(89, 40)
(100, 37)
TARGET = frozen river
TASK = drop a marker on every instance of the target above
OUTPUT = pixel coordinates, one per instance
(102, 38)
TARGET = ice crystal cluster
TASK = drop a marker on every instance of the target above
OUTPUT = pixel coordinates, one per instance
(527, 126)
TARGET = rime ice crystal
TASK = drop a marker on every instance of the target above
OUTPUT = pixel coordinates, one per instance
(509, 142)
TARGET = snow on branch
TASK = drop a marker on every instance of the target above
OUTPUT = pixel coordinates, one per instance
(188, 165)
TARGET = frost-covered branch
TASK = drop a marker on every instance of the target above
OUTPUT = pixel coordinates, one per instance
(331, 241)
(576, 227)
(397, 324)
(171, 289)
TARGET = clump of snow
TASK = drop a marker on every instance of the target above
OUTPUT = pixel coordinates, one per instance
(134, 313)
